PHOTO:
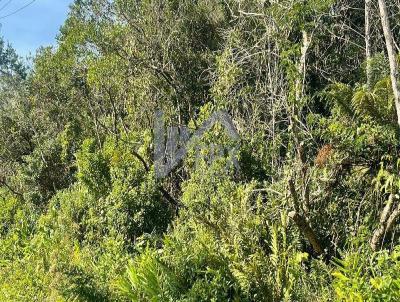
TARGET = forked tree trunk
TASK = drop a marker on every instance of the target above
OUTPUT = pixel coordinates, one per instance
(386, 223)
(394, 68)
(379, 232)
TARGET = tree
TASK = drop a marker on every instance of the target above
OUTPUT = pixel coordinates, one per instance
(391, 51)
(368, 41)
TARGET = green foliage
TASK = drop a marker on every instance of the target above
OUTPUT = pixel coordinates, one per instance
(227, 245)
(375, 106)
(10, 62)
(363, 277)
(83, 216)
(93, 169)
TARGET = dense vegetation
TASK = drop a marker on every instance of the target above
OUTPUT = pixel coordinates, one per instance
(310, 215)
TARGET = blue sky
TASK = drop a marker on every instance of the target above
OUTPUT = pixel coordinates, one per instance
(34, 26)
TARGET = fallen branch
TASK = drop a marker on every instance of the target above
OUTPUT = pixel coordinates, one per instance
(307, 231)
(302, 222)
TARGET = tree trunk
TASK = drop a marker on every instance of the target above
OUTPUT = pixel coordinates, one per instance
(384, 229)
(379, 232)
(300, 210)
(368, 41)
(394, 69)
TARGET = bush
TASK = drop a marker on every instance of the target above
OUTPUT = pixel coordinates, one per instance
(369, 277)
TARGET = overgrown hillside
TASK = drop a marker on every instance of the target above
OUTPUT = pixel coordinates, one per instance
(307, 210)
